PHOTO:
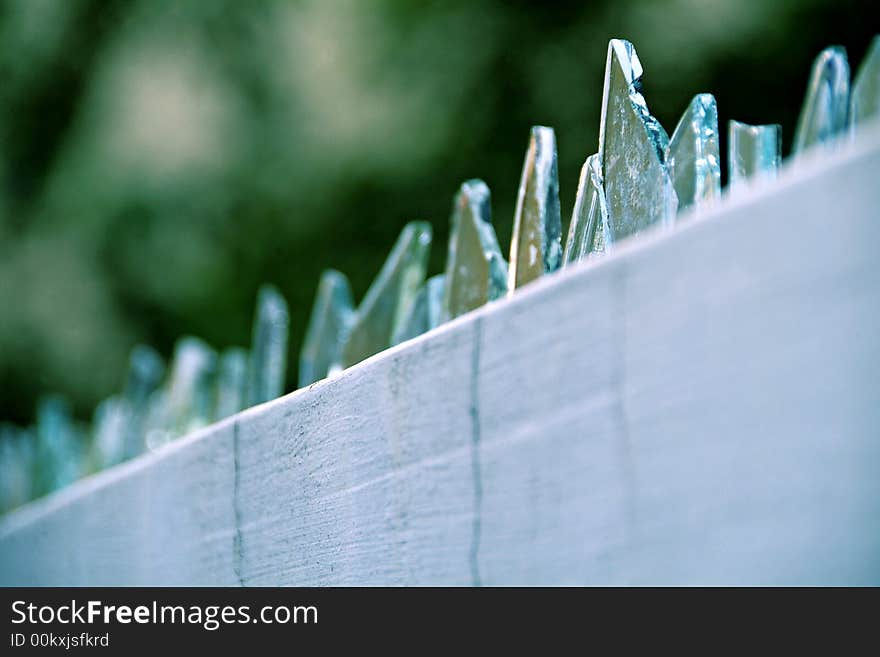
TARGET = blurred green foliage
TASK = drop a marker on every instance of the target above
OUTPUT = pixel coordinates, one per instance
(160, 159)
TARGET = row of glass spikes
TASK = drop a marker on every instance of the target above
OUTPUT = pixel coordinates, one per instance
(640, 177)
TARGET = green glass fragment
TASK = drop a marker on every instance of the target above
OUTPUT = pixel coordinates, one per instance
(535, 247)
(332, 316)
(864, 104)
(589, 218)
(17, 452)
(187, 402)
(111, 424)
(632, 147)
(693, 156)
(425, 311)
(60, 458)
(268, 357)
(476, 272)
(156, 424)
(231, 382)
(145, 371)
(754, 151)
(386, 302)
(826, 106)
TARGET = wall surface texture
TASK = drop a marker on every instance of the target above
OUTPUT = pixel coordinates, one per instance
(700, 407)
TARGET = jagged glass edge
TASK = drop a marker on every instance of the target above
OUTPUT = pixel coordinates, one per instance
(632, 70)
(232, 371)
(773, 130)
(329, 283)
(829, 75)
(478, 197)
(267, 371)
(541, 153)
(420, 231)
(703, 148)
(863, 107)
(589, 219)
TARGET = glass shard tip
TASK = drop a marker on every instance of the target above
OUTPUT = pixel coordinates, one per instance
(535, 247)
(692, 156)
(382, 310)
(268, 358)
(826, 105)
(146, 369)
(17, 466)
(476, 272)
(111, 424)
(188, 399)
(589, 218)
(231, 382)
(754, 152)
(60, 446)
(632, 150)
(424, 312)
(329, 324)
(865, 97)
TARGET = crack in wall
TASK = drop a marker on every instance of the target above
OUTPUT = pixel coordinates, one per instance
(476, 466)
(237, 541)
(621, 420)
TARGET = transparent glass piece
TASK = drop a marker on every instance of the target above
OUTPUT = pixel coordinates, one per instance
(17, 449)
(425, 311)
(589, 218)
(476, 272)
(188, 401)
(386, 302)
(332, 316)
(110, 432)
(826, 106)
(268, 358)
(435, 293)
(754, 151)
(693, 156)
(60, 447)
(632, 147)
(145, 371)
(231, 382)
(864, 104)
(157, 420)
(535, 247)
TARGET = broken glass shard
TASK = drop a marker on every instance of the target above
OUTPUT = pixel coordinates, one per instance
(231, 381)
(632, 147)
(436, 291)
(383, 307)
(16, 466)
(754, 151)
(476, 272)
(60, 447)
(425, 311)
(145, 371)
(535, 247)
(824, 113)
(865, 98)
(692, 156)
(110, 427)
(188, 401)
(157, 422)
(268, 358)
(589, 218)
(332, 315)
